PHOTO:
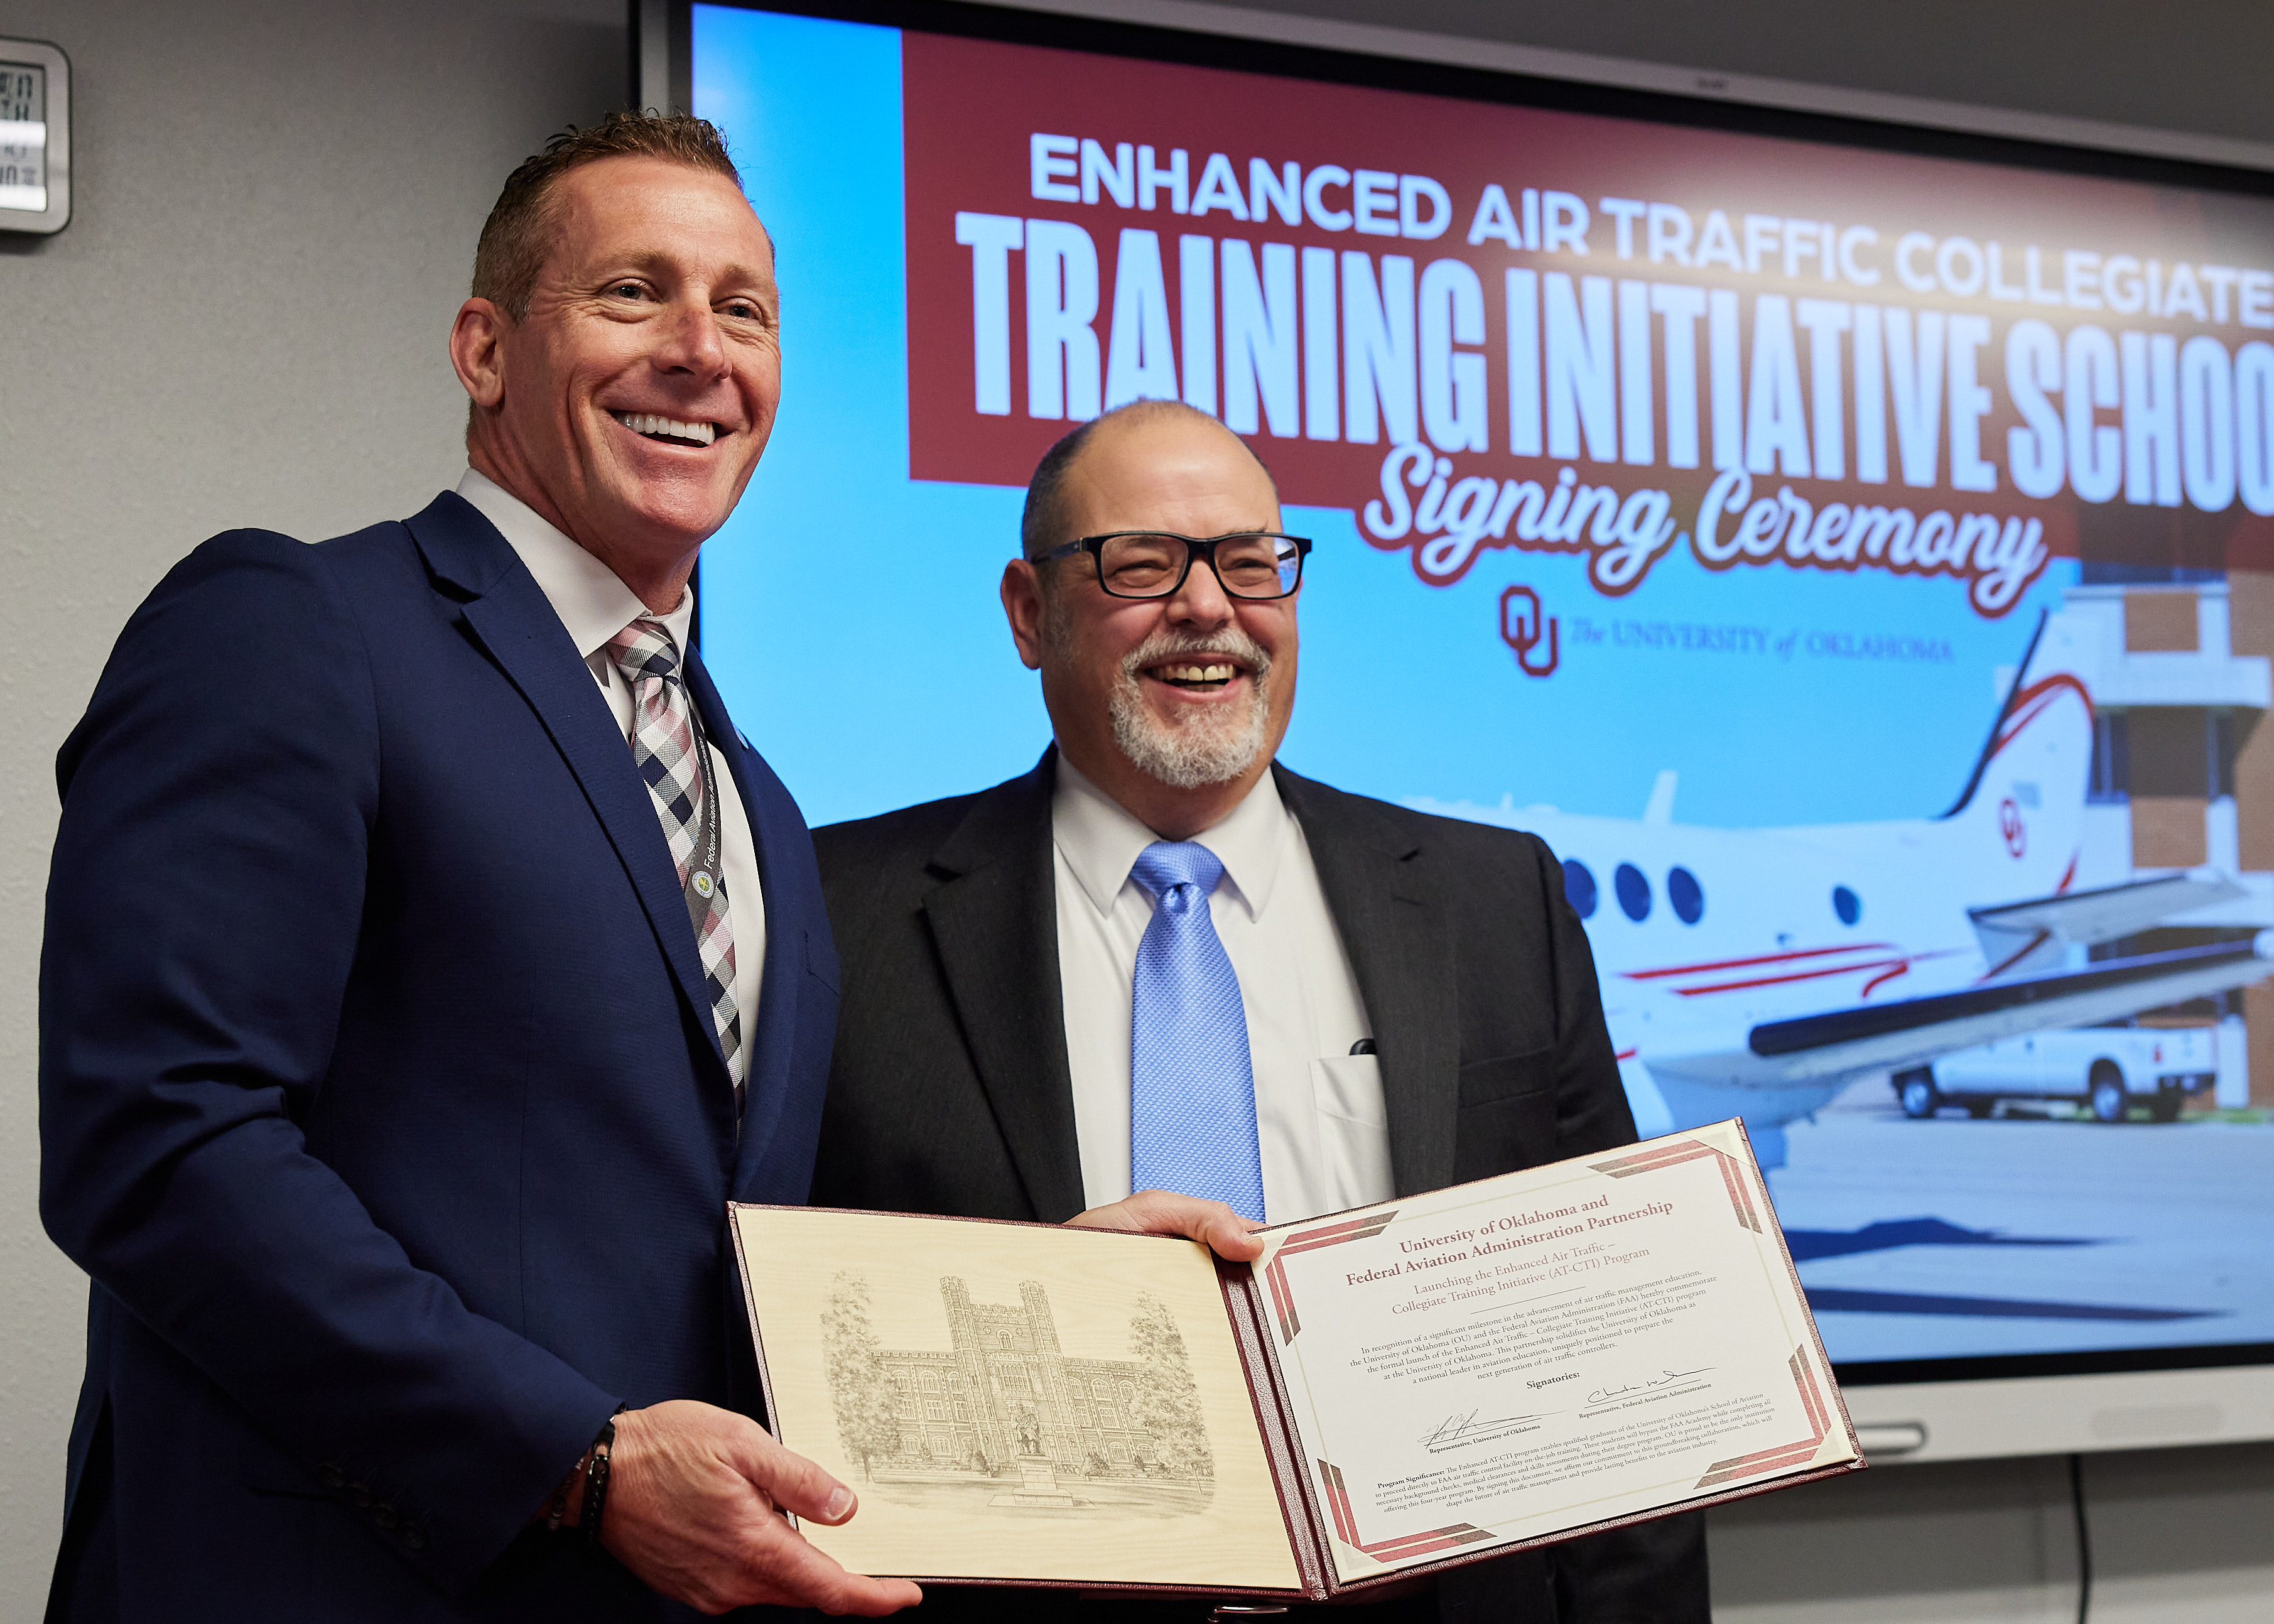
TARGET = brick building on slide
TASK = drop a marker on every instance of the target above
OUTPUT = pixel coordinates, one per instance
(2183, 774)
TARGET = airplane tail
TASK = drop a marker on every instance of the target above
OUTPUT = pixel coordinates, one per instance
(2018, 825)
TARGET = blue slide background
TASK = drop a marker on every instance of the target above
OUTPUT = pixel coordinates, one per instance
(850, 615)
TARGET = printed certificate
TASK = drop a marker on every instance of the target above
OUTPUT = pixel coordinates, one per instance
(1524, 1357)
(1385, 1392)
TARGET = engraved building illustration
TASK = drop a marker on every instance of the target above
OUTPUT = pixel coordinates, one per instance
(1008, 1390)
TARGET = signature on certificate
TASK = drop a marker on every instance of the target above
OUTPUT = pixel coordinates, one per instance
(1664, 1379)
(1458, 1432)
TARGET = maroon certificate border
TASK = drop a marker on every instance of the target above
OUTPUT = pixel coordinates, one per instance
(1330, 1479)
(1803, 1450)
(1667, 1153)
(1283, 1300)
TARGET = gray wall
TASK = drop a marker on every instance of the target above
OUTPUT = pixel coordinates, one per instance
(245, 325)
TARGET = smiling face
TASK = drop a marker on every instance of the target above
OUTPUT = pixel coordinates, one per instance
(1173, 706)
(629, 404)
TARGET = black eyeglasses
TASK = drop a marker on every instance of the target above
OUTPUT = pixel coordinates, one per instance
(1251, 564)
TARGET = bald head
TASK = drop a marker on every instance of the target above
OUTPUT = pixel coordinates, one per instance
(1165, 434)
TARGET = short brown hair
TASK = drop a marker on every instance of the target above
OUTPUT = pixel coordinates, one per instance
(518, 234)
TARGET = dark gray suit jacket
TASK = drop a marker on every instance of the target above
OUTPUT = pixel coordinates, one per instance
(950, 1090)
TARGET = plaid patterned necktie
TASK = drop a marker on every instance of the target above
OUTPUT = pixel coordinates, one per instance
(1192, 1084)
(677, 769)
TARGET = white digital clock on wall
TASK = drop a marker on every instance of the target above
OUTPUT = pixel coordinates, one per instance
(34, 137)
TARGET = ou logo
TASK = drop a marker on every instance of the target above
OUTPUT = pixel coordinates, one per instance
(2009, 826)
(1524, 626)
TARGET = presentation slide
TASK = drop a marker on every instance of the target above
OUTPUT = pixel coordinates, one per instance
(1854, 564)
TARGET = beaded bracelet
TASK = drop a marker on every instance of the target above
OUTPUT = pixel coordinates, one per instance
(596, 1481)
(594, 1467)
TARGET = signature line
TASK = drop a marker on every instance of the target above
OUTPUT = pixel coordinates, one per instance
(1456, 1431)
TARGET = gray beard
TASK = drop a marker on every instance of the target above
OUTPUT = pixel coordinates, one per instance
(1208, 747)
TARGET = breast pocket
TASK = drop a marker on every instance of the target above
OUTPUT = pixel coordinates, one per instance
(1507, 1115)
(821, 961)
(1353, 1167)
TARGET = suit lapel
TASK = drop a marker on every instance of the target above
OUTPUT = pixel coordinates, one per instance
(994, 921)
(509, 615)
(1395, 929)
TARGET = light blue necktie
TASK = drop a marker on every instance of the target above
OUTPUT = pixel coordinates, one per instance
(1191, 1088)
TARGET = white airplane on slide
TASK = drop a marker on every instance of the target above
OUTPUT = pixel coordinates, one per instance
(1757, 973)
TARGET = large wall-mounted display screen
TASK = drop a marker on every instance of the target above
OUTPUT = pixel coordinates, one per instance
(1845, 550)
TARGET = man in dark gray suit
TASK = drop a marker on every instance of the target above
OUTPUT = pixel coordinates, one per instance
(1161, 961)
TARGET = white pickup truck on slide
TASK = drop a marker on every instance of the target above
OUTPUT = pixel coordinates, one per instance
(2108, 1070)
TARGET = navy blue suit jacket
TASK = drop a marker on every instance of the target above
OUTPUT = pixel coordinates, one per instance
(379, 1095)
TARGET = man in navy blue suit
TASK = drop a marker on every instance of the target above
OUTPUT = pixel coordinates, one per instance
(428, 962)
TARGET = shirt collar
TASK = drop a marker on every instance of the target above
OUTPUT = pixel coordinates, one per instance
(1101, 840)
(592, 603)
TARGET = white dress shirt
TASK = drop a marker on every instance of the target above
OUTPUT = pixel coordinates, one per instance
(1320, 1124)
(594, 605)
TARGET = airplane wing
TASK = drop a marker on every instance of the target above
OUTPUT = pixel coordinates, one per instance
(1905, 1032)
(2018, 937)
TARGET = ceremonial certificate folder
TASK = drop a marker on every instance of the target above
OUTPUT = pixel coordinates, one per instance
(1384, 1393)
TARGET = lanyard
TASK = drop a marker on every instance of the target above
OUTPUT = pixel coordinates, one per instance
(704, 874)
